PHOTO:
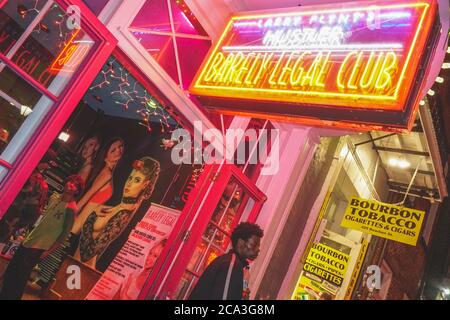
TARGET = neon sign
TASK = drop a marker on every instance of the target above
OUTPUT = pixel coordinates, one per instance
(327, 65)
(72, 55)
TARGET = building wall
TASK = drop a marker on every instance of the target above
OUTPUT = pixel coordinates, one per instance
(407, 263)
(296, 149)
(298, 216)
(360, 165)
(437, 272)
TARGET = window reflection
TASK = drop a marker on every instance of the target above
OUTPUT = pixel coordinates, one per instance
(153, 28)
(217, 237)
(17, 101)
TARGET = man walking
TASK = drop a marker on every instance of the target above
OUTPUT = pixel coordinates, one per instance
(224, 279)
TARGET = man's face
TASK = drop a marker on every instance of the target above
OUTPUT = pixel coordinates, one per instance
(70, 189)
(4, 135)
(250, 249)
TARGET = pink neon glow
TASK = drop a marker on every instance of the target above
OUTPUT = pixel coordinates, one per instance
(371, 47)
(187, 20)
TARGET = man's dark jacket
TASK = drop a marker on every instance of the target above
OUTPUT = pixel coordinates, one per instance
(211, 284)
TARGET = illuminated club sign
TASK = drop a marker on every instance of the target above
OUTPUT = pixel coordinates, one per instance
(356, 65)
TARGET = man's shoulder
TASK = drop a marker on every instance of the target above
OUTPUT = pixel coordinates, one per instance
(223, 259)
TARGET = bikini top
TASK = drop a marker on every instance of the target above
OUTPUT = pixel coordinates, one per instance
(103, 194)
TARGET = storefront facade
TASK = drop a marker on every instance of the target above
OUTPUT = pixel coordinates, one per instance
(134, 77)
(98, 73)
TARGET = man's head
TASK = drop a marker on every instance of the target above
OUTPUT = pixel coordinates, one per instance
(246, 238)
(42, 166)
(4, 135)
(74, 186)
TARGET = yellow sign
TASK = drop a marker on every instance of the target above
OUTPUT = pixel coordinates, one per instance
(356, 270)
(307, 289)
(384, 220)
(327, 263)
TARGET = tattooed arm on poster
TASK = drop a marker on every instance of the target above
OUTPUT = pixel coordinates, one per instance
(101, 228)
(90, 246)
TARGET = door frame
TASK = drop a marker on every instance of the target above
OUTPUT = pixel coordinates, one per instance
(195, 217)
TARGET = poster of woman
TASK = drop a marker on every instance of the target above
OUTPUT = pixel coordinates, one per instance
(104, 224)
(124, 176)
(125, 277)
(88, 152)
(100, 186)
(134, 282)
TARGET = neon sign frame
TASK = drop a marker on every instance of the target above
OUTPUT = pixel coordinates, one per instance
(71, 55)
(323, 107)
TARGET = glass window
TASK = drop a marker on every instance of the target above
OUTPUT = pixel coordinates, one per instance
(191, 53)
(121, 129)
(331, 236)
(160, 21)
(339, 199)
(35, 39)
(18, 101)
(96, 5)
(160, 47)
(254, 149)
(52, 53)
(15, 18)
(184, 20)
(217, 237)
(154, 16)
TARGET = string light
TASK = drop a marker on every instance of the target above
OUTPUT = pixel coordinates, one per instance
(60, 23)
(446, 65)
(23, 11)
(133, 94)
(105, 74)
(439, 80)
(41, 26)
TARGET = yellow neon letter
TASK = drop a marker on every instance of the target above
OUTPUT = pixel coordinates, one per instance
(355, 70)
(364, 83)
(252, 69)
(213, 70)
(296, 80)
(267, 59)
(276, 69)
(323, 71)
(342, 68)
(386, 69)
(243, 68)
(312, 71)
(237, 61)
(286, 69)
(220, 75)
